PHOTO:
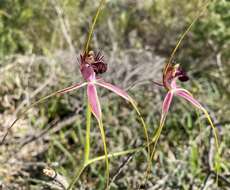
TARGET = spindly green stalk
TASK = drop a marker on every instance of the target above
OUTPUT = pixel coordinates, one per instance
(87, 136)
(87, 147)
(154, 139)
(104, 157)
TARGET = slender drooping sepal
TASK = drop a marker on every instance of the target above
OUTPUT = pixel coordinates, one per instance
(22, 113)
(125, 95)
(165, 109)
(188, 96)
(71, 88)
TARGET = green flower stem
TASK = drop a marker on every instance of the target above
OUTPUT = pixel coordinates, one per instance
(99, 158)
(155, 139)
(115, 154)
(87, 136)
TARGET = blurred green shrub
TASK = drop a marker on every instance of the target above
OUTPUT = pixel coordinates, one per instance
(33, 26)
(215, 28)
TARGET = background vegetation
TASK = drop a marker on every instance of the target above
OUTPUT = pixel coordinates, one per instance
(40, 42)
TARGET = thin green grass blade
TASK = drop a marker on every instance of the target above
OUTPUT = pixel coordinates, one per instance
(89, 38)
(77, 175)
(104, 157)
(65, 151)
(59, 92)
(22, 114)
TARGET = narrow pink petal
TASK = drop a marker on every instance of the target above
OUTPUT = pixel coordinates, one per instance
(173, 83)
(94, 101)
(188, 96)
(165, 108)
(167, 102)
(70, 88)
(113, 88)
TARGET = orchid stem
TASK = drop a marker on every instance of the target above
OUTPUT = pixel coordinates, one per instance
(87, 148)
(155, 139)
(104, 157)
(87, 136)
(115, 154)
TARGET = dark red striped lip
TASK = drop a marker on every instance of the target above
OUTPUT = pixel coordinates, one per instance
(95, 61)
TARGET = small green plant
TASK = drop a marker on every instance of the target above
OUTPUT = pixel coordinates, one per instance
(171, 74)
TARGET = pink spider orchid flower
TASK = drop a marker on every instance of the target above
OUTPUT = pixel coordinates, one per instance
(90, 66)
(170, 76)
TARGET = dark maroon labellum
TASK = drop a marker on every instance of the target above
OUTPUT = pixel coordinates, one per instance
(182, 75)
(94, 61)
(183, 78)
(99, 67)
